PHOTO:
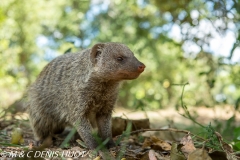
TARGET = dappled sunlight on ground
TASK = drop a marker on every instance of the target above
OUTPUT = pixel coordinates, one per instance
(171, 117)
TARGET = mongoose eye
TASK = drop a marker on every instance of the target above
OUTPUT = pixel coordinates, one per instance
(120, 59)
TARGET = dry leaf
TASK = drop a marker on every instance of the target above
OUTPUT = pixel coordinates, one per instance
(174, 153)
(199, 154)
(147, 143)
(226, 147)
(97, 158)
(188, 146)
(156, 143)
(151, 155)
(161, 145)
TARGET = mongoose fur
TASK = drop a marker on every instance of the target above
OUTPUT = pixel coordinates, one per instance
(80, 89)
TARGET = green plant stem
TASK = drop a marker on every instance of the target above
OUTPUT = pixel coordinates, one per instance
(187, 113)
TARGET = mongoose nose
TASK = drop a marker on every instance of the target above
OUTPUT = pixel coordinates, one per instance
(141, 68)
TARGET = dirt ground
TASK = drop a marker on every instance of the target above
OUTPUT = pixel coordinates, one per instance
(160, 119)
(169, 116)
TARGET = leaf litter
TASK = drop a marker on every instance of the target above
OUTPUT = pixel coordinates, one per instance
(137, 146)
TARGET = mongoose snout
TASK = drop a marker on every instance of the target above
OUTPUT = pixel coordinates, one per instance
(141, 68)
(81, 88)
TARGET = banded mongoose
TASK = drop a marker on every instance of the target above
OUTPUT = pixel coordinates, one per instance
(80, 89)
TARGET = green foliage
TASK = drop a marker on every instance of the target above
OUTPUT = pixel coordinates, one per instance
(68, 138)
(34, 32)
(213, 141)
(124, 135)
(236, 142)
(3, 136)
(22, 24)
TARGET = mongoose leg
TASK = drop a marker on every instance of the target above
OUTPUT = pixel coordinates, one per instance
(104, 124)
(84, 129)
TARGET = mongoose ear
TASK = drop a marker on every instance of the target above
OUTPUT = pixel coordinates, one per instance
(96, 51)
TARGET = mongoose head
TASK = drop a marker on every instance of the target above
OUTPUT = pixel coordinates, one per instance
(115, 61)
